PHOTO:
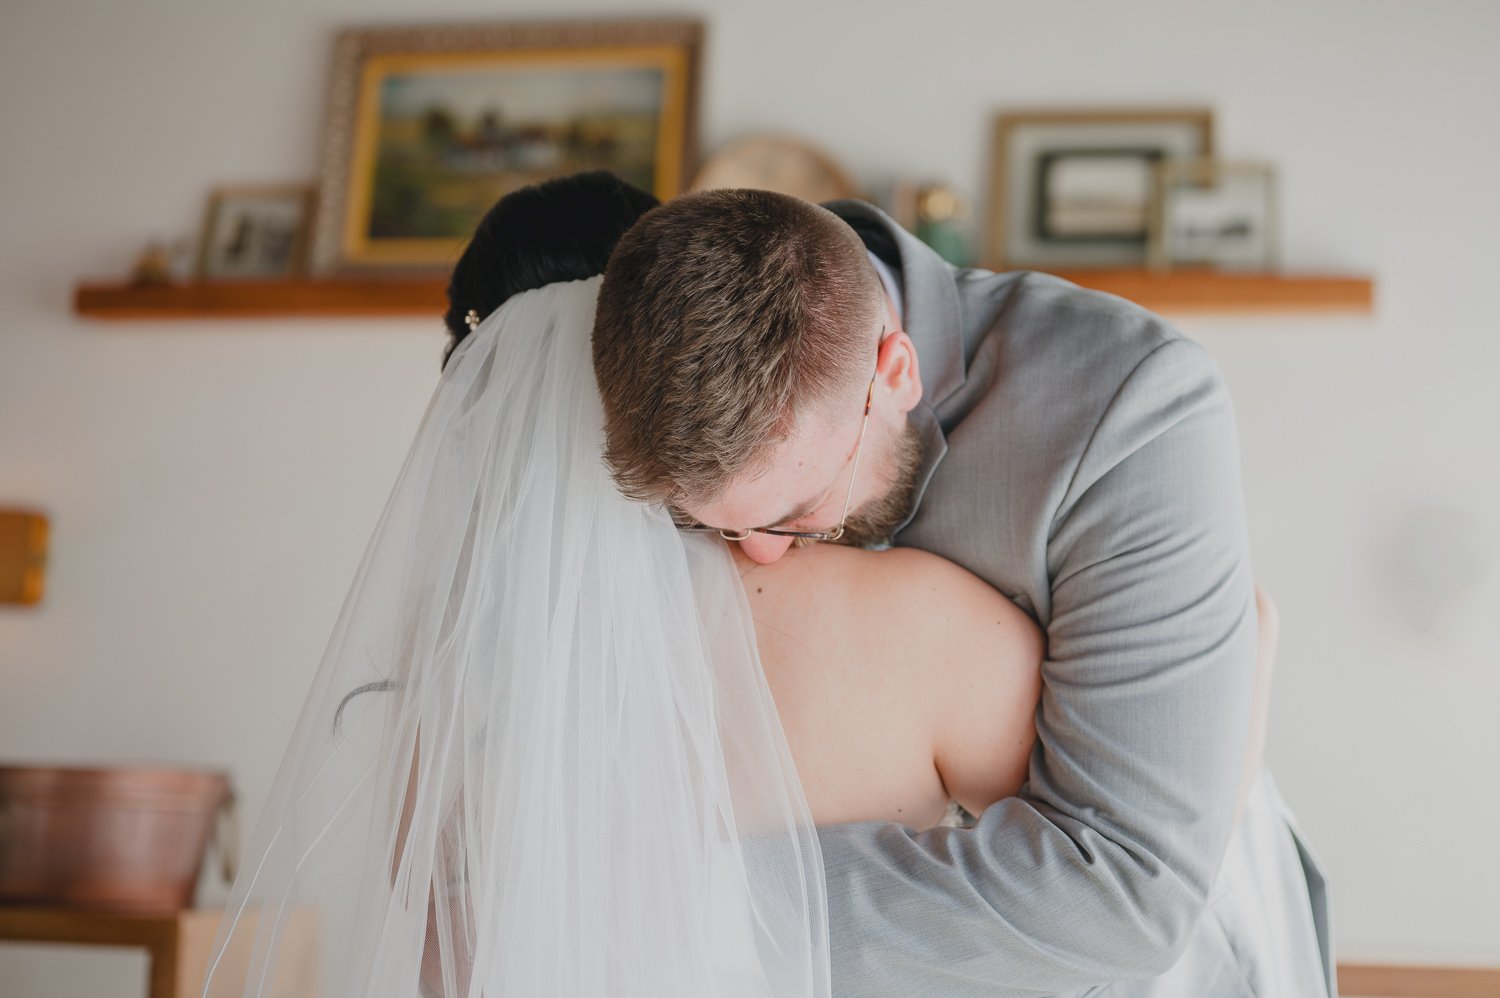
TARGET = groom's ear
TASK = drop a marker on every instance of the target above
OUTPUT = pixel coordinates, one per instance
(897, 374)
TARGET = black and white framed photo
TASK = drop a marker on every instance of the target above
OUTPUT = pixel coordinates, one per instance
(255, 232)
(1073, 189)
(1214, 214)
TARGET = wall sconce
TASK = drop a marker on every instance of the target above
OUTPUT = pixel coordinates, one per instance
(23, 556)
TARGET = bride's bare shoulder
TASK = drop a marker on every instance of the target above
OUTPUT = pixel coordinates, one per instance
(822, 564)
(923, 582)
(907, 583)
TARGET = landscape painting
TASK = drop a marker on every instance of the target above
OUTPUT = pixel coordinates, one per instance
(435, 138)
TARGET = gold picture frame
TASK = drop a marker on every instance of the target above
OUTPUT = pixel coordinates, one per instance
(1071, 189)
(429, 126)
(254, 232)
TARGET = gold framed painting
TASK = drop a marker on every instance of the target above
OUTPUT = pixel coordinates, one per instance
(429, 126)
(1073, 188)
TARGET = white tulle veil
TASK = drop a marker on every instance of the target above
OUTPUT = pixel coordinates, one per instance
(539, 757)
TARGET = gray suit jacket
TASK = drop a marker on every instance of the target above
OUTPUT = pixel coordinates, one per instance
(1081, 456)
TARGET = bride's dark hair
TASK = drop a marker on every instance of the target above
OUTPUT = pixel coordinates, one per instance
(559, 230)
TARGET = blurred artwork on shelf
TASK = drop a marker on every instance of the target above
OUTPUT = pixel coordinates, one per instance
(254, 232)
(1209, 213)
(1074, 189)
(429, 126)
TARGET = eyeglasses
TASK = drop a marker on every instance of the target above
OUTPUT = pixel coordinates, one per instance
(812, 535)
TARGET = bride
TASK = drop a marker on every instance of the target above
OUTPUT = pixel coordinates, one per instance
(558, 746)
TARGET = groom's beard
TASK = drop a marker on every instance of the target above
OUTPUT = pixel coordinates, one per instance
(873, 523)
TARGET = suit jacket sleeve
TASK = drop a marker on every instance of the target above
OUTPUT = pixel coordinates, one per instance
(1098, 871)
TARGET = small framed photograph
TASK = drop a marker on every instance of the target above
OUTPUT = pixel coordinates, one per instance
(1214, 214)
(1073, 189)
(429, 126)
(254, 232)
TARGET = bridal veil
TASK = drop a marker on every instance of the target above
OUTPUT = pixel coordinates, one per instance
(539, 757)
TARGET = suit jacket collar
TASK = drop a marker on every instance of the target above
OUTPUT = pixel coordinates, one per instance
(933, 320)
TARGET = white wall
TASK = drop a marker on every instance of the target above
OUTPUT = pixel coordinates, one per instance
(212, 484)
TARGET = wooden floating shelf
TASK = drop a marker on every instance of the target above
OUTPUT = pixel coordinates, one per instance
(1170, 292)
(1225, 292)
(328, 299)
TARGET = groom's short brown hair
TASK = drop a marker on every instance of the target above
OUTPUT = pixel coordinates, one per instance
(721, 314)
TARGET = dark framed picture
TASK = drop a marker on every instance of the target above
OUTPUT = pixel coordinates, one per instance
(1074, 189)
(255, 232)
(1214, 214)
(429, 126)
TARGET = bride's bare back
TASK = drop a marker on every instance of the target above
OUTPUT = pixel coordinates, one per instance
(902, 681)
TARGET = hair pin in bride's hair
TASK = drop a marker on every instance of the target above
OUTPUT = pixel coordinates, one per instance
(472, 320)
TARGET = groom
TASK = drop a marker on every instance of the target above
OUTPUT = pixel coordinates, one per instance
(1077, 453)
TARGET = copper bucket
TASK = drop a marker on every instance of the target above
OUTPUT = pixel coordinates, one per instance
(126, 840)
